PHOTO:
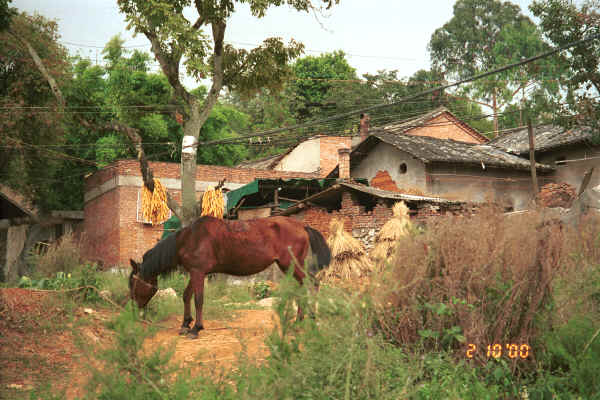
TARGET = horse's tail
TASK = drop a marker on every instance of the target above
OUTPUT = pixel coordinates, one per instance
(319, 248)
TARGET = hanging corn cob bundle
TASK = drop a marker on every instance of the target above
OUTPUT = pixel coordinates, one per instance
(213, 203)
(154, 204)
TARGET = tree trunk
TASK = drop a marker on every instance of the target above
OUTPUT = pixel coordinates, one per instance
(188, 165)
(191, 129)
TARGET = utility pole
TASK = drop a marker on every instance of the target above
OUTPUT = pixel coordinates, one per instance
(532, 157)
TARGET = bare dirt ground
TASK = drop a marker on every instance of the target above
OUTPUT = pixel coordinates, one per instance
(38, 343)
(220, 343)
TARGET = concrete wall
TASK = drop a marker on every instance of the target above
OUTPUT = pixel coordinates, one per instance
(315, 155)
(385, 157)
(305, 157)
(572, 172)
(511, 188)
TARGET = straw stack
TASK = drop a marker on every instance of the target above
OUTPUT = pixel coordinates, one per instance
(349, 261)
(396, 228)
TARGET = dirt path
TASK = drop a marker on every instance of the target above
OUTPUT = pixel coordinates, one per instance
(220, 343)
(37, 345)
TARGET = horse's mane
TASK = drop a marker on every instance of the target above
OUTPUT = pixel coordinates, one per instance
(161, 259)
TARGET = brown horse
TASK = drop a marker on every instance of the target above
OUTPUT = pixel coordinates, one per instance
(210, 245)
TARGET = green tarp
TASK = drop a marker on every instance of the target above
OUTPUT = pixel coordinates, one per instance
(234, 196)
(316, 185)
(170, 226)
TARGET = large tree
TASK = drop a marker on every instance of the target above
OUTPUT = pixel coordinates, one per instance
(486, 34)
(177, 41)
(32, 66)
(562, 22)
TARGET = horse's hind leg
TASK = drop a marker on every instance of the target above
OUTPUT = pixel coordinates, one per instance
(299, 276)
(187, 309)
(197, 282)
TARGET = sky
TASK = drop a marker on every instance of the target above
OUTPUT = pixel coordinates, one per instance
(375, 34)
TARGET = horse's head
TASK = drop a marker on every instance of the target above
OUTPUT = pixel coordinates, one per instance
(140, 290)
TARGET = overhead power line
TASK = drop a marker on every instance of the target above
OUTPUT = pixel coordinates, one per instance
(420, 94)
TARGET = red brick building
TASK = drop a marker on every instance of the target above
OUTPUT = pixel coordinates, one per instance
(113, 226)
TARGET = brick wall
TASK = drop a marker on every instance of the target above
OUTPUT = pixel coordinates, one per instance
(101, 228)
(111, 230)
(363, 225)
(442, 127)
(384, 181)
(329, 146)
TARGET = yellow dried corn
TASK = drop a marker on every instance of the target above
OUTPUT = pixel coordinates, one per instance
(154, 204)
(213, 203)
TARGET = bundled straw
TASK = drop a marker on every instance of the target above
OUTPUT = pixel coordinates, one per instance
(349, 260)
(154, 204)
(213, 203)
(396, 228)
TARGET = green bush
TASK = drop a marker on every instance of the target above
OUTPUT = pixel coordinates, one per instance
(261, 290)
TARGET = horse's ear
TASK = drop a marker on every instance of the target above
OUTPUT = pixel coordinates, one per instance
(134, 265)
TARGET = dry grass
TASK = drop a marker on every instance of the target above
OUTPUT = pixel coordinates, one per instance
(349, 261)
(395, 229)
(62, 255)
(492, 274)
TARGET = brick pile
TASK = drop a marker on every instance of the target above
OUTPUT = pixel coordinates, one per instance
(556, 195)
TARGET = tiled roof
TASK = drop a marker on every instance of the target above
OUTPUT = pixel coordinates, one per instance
(407, 125)
(18, 200)
(431, 150)
(547, 137)
(386, 194)
(263, 163)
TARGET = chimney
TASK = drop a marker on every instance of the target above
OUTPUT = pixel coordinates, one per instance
(344, 163)
(363, 126)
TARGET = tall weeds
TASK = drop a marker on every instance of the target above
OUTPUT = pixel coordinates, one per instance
(482, 279)
(63, 255)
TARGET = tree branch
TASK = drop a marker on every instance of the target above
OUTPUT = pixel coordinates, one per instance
(147, 175)
(40, 65)
(169, 63)
(199, 22)
(218, 29)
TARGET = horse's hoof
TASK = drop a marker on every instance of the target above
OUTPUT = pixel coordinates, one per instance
(192, 334)
(184, 330)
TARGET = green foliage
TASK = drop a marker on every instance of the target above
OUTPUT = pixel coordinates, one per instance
(129, 363)
(487, 34)
(564, 22)
(312, 82)
(85, 277)
(570, 361)
(261, 290)
(224, 122)
(30, 118)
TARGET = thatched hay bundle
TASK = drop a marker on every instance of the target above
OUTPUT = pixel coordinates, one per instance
(396, 228)
(349, 259)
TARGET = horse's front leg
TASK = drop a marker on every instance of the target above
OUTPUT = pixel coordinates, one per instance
(187, 309)
(197, 282)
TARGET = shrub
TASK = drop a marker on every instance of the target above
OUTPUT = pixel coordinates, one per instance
(261, 290)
